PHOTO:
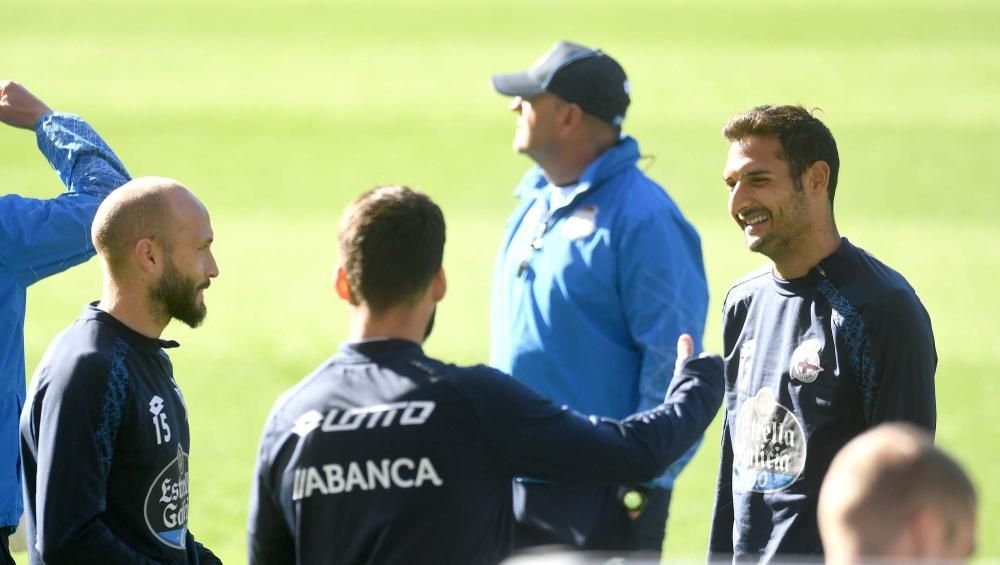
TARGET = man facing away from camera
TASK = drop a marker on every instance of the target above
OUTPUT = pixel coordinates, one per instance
(891, 496)
(821, 344)
(385, 455)
(597, 276)
(104, 434)
(40, 238)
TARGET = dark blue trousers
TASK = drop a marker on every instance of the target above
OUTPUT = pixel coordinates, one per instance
(5, 556)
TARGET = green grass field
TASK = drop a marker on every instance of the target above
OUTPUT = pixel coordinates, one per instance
(278, 113)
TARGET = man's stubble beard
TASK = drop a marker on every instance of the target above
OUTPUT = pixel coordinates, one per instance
(175, 295)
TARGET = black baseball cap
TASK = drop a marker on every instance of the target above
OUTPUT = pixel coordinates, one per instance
(578, 74)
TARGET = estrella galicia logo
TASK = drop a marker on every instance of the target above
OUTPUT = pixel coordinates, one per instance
(166, 504)
(769, 446)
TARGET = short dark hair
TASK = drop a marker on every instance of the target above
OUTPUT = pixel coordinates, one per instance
(391, 245)
(804, 138)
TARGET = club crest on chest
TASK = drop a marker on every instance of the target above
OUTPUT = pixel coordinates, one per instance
(805, 364)
(581, 224)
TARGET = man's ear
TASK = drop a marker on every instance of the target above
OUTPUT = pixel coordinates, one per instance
(439, 285)
(147, 255)
(817, 178)
(341, 286)
(571, 116)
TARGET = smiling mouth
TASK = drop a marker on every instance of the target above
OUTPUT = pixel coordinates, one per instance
(753, 218)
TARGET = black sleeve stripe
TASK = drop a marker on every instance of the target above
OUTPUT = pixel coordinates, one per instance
(852, 327)
(114, 405)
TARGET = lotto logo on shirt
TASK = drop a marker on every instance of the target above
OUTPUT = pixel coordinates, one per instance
(167, 502)
(412, 413)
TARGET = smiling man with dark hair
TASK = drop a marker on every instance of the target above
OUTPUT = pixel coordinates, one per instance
(820, 345)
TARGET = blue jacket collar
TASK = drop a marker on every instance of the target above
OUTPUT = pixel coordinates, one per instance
(623, 154)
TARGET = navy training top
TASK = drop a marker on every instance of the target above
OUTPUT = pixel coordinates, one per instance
(105, 445)
(384, 455)
(810, 363)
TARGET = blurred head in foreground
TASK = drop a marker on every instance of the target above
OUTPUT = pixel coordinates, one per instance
(391, 247)
(891, 495)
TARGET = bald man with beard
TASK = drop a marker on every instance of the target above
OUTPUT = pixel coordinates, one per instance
(104, 434)
(890, 495)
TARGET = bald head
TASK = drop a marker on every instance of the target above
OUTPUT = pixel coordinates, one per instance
(890, 492)
(152, 208)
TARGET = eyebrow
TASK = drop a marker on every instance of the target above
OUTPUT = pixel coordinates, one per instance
(754, 173)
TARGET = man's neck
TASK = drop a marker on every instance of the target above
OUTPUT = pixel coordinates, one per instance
(798, 262)
(567, 166)
(132, 310)
(562, 175)
(397, 323)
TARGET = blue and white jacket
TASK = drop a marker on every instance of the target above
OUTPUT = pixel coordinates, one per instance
(590, 298)
(39, 238)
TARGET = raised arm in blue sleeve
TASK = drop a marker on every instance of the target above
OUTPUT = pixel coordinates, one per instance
(539, 439)
(41, 237)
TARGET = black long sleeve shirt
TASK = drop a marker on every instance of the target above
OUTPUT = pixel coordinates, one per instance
(384, 455)
(105, 445)
(810, 363)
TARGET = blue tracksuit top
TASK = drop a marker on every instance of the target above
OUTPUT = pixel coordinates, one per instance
(590, 315)
(384, 455)
(811, 363)
(39, 238)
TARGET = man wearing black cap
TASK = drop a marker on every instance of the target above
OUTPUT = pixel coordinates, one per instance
(597, 276)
